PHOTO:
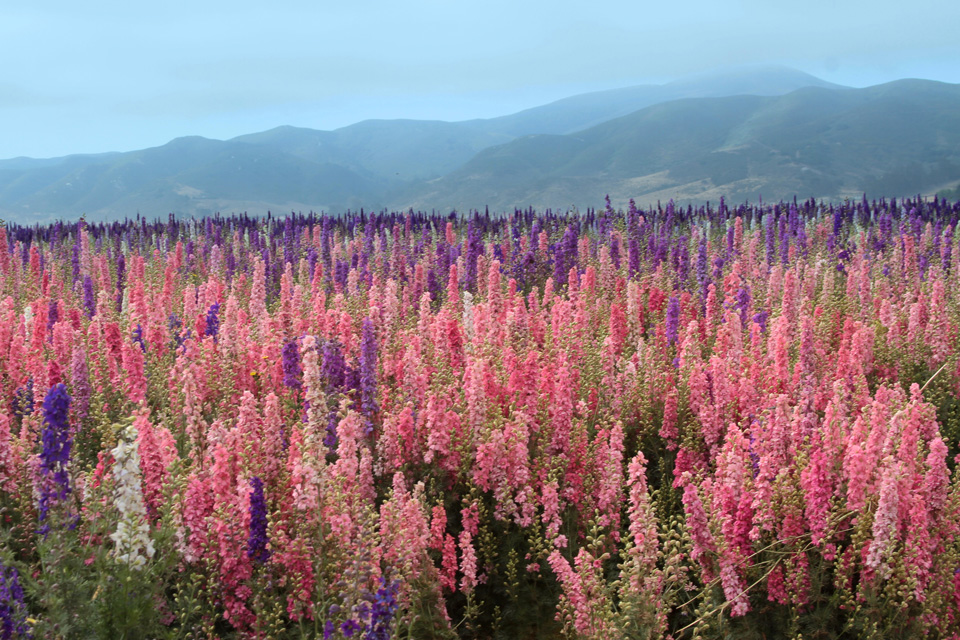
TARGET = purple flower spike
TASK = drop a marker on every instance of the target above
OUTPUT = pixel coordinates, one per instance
(13, 609)
(257, 542)
(291, 364)
(213, 320)
(673, 319)
(57, 443)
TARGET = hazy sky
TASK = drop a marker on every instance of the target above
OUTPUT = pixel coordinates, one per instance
(86, 77)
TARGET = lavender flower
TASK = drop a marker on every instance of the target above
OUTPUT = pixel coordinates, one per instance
(673, 319)
(56, 449)
(368, 373)
(291, 364)
(257, 542)
(332, 367)
(13, 609)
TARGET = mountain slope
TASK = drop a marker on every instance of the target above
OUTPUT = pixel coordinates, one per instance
(894, 139)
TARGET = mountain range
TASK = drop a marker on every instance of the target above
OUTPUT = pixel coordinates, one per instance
(771, 132)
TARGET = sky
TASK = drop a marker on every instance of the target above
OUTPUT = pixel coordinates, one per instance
(111, 75)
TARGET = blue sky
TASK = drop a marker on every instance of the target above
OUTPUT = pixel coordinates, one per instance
(115, 76)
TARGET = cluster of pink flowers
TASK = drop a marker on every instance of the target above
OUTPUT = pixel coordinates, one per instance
(671, 418)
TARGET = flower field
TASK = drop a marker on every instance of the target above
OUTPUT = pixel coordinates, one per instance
(697, 423)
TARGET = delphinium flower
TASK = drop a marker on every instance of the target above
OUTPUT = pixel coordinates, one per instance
(213, 320)
(382, 611)
(291, 364)
(89, 300)
(55, 456)
(13, 609)
(368, 374)
(22, 403)
(53, 315)
(176, 330)
(137, 338)
(743, 303)
(673, 319)
(132, 537)
(257, 542)
(80, 377)
(332, 370)
(121, 272)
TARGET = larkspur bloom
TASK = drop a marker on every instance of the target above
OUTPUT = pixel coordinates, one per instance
(55, 455)
(133, 544)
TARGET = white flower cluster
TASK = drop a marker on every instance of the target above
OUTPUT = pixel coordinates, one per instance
(132, 537)
(468, 314)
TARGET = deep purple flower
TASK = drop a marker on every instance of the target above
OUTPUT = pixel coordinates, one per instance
(761, 319)
(213, 320)
(13, 609)
(257, 542)
(673, 319)
(291, 364)
(138, 338)
(330, 436)
(350, 627)
(176, 326)
(89, 301)
(22, 403)
(57, 442)
(382, 612)
(75, 261)
(53, 314)
(564, 255)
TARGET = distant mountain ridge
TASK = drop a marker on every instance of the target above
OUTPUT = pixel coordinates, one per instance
(775, 132)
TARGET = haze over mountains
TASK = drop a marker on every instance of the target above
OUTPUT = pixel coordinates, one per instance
(776, 132)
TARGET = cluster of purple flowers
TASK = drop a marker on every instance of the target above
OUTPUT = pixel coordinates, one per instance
(257, 542)
(374, 616)
(673, 319)
(55, 456)
(53, 314)
(291, 364)
(137, 338)
(22, 403)
(13, 609)
(213, 320)
(89, 300)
